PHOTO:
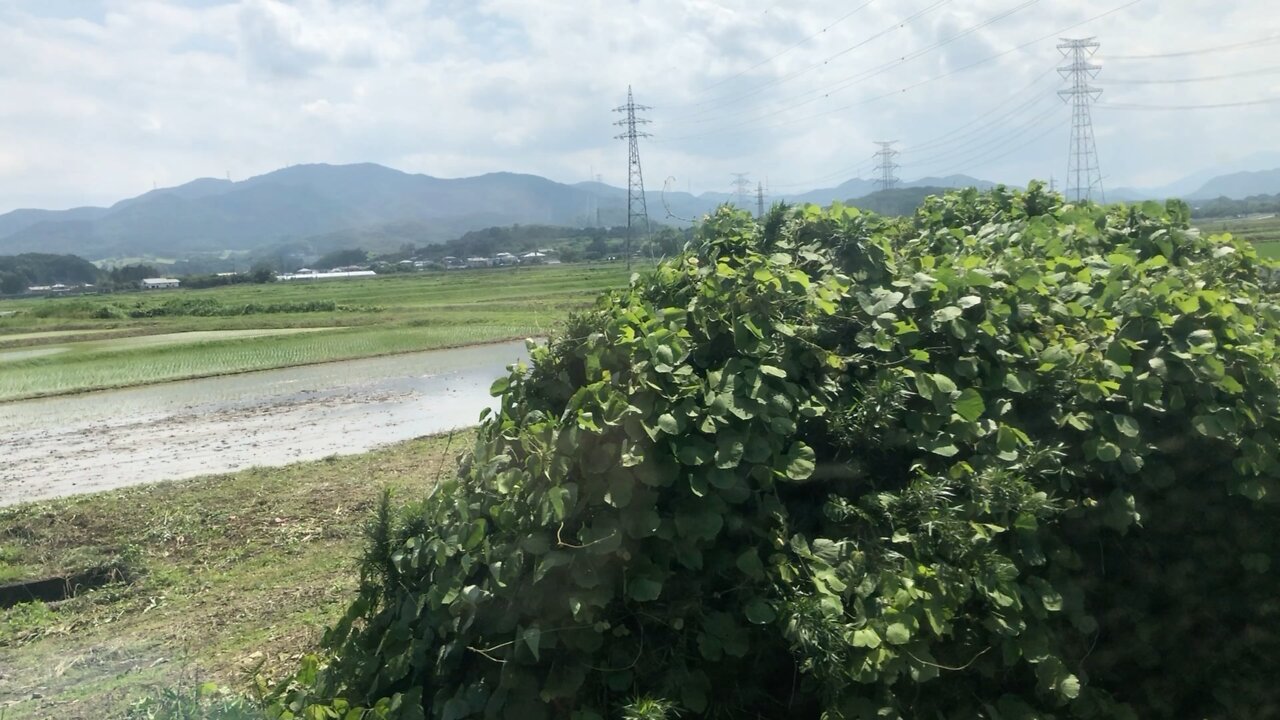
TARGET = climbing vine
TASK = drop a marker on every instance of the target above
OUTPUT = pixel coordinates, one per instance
(1009, 458)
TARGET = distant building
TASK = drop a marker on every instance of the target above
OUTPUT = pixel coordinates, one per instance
(160, 283)
(479, 262)
(453, 263)
(536, 257)
(327, 275)
(505, 258)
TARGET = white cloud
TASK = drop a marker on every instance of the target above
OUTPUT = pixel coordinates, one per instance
(98, 107)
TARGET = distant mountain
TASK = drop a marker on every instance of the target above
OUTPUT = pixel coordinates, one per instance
(301, 202)
(319, 208)
(1239, 185)
(1190, 186)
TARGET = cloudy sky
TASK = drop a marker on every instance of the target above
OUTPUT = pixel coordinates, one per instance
(101, 99)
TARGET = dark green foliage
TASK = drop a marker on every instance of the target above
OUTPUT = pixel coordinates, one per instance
(1009, 458)
(131, 275)
(898, 201)
(189, 307)
(18, 272)
(1227, 207)
(341, 258)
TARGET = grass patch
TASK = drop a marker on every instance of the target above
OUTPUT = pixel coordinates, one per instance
(391, 315)
(224, 568)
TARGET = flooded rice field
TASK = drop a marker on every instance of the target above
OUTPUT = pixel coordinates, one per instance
(98, 441)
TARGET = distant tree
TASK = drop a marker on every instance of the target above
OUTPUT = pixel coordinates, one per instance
(570, 254)
(12, 283)
(132, 274)
(262, 273)
(341, 258)
(20, 271)
(597, 248)
(667, 241)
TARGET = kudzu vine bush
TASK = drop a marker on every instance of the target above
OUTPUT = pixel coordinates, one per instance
(1011, 458)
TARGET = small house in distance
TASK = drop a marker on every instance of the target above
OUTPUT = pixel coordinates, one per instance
(160, 283)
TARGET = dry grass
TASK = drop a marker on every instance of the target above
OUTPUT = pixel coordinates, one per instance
(224, 568)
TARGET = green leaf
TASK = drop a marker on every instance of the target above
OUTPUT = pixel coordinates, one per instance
(773, 371)
(499, 386)
(1208, 425)
(969, 405)
(800, 462)
(866, 637)
(456, 709)
(667, 424)
(728, 452)
(947, 314)
(1108, 452)
(1126, 425)
(944, 384)
(750, 565)
(694, 451)
(897, 634)
(531, 638)
(643, 589)
(759, 612)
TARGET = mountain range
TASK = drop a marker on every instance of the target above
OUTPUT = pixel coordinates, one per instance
(326, 207)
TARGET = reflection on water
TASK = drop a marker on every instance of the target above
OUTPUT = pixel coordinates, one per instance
(83, 443)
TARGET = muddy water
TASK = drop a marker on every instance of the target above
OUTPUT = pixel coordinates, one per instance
(98, 441)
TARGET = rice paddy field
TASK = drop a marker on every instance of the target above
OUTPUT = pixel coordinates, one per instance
(53, 346)
(1263, 232)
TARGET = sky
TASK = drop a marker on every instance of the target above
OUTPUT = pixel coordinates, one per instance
(103, 99)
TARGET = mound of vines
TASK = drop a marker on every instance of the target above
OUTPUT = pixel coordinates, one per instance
(1009, 458)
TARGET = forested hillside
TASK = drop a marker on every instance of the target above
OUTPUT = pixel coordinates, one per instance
(18, 272)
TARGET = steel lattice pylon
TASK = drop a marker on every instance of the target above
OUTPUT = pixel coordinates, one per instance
(885, 155)
(637, 207)
(1084, 175)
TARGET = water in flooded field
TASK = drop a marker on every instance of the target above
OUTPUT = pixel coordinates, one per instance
(97, 441)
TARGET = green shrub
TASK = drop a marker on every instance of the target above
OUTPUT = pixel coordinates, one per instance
(1010, 458)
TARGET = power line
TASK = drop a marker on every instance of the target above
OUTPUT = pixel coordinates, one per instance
(637, 207)
(968, 149)
(1211, 106)
(856, 170)
(897, 25)
(1202, 78)
(948, 137)
(921, 83)
(1083, 171)
(792, 103)
(1202, 51)
(974, 164)
(771, 58)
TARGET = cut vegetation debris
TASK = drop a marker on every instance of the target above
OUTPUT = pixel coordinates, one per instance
(207, 594)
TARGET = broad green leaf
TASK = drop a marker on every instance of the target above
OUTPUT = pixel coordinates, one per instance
(800, 462)
(866, 637)
(897, 634)
(643, 589)
(759, 612)
(969, 405)
(1126, 425)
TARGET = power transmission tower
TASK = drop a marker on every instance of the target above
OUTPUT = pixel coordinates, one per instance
(637, 208)
(760, 200)
(885, 155)
(1084, 176)
(741, 186)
